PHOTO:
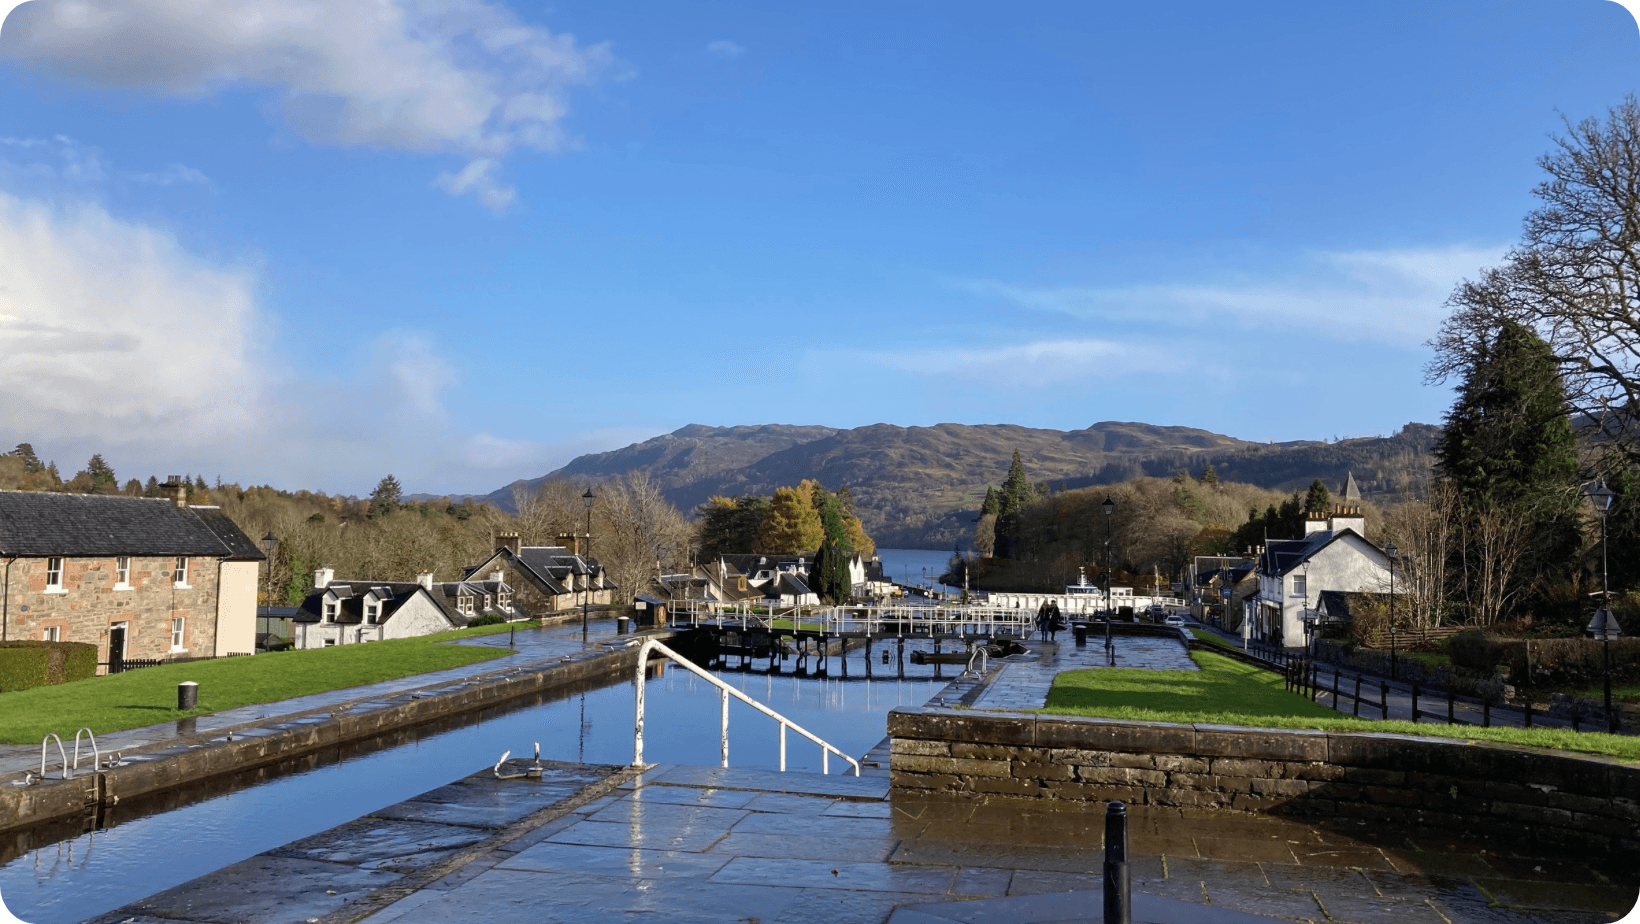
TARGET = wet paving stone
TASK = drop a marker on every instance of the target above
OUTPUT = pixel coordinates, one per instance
(790, 803)
(614, 862)
(261, 890)
(823, 874)
(371, 843)
(652, 837)
(805, 847)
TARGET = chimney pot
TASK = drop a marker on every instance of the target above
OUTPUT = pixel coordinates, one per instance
(425, 579)
(322, 578)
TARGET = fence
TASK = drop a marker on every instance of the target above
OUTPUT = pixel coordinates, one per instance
(1412, 637)
(131, 664)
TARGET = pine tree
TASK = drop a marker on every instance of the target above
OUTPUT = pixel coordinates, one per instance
(993, 503)
(1319, 499)
(1017, 494)
(1209, 476)
(386, 498)
(31, 462)
(102, 480)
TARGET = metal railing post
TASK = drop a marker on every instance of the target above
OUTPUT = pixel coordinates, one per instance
(725, 698)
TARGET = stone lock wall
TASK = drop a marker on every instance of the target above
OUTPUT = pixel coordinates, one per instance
(1420, 784)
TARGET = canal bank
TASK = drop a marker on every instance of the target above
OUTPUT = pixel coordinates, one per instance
(196, 750)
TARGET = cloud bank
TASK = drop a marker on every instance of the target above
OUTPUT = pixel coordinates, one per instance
(463, 77)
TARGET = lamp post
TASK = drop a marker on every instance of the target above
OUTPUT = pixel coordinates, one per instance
(586, 596)
(268, 543)
(1604, 626)
(1391, 552)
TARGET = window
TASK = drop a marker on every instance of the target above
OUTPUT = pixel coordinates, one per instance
(372, 613)
(177, 626)
(122, 572)
(51, 633)
(504, 601)
(54, 574)
(181, 574)
(1299, 589)
(331, 606)
(465, 605)
(329, 642)
(486, 601)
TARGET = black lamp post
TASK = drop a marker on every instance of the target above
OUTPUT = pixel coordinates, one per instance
(1604, 626)
(1391, 552)
(268, 543)
(586, 597)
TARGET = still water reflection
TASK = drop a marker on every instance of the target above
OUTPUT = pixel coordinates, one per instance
(154, 845)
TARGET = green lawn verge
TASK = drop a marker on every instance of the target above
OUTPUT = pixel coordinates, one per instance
(1212, 639)
(148, 696)
(1230, 692)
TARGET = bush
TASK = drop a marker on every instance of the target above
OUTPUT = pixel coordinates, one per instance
(25, 664)
(488, 619)
(1571, 662)
(1476, 649)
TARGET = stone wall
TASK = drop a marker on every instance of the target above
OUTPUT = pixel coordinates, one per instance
(1430, 785)
(91, 601)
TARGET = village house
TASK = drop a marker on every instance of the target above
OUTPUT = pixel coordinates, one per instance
(473, 598)
(1334, 555)
(547, 579)
(347, 612)
(140, 578)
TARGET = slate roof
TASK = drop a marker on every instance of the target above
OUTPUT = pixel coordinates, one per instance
(37, 523)
(1283, 555)
(549, 567)
(393, 595)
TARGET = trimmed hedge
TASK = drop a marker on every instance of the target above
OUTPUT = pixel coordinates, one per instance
(25, 664)
(1477, 650)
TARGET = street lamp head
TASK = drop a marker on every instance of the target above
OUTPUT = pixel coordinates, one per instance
(1604, 625)
(1391, 551)
(1601, 495)
(269, 541)
(588, 498)
(1109, 505)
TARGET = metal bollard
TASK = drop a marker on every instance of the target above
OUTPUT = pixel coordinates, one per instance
(1528, 713)
(1118, 897)
(1415, 704)
(1383, 700)
(187, 696)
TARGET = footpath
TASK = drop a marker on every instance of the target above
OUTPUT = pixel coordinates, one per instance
(590, 844)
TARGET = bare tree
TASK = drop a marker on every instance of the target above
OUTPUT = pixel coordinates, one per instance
(1494, 536)
(639, 533)
(1574, 278)
(1424, 529)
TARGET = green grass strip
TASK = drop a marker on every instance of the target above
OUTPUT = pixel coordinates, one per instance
(1230, 692)
(1212, 639)
(148, 696)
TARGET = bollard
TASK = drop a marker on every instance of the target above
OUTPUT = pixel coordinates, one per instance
(1383, 699)
(1528, 713)
(1117, 876)
(1081, 631)
(187, 696)
(1486, 713)
(1335, 689)
(1414, 704)
(623, 625)
(1449, 704)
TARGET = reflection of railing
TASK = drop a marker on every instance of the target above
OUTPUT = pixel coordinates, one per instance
(826, 748)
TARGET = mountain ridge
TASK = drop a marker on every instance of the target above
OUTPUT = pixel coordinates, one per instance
(920, 487)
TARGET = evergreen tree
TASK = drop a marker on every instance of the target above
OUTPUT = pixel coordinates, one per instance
(993, 503)
(100, 476)
(791, 524)
(133, 488)
(31, 462)
(1319, 499)
(830, 574)
(386, 498)
(1209, 476)
(1509, 451)
(151, 489)
(1017, 494)
(1623, 531)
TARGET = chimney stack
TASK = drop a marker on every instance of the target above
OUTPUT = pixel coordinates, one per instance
(323, 577)
(175, 490)
(508, 541)
(425, 579)
(570, 541)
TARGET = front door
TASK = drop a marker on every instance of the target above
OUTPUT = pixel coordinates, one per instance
(116, 648)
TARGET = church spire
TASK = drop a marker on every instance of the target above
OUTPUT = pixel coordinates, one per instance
(1351, 491)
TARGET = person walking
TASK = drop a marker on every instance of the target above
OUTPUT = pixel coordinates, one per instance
(1042, 620)
(1054, 622)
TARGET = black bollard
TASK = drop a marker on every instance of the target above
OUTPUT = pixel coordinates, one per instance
(1414, 703)
(1383, 700)
(187, 696)
(1118, 897)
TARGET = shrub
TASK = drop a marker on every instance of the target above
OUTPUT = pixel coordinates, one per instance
(1571, 662)
(488, 619)
(25, 664)
(1475, 649)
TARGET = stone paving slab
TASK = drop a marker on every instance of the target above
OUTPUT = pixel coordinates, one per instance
(695, 844)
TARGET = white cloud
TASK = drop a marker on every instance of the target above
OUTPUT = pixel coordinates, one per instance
(1386, 296)
(172, 175)
(62, 163)
(1018, 366)
(479, 178)
(464, 77)
(723, 48)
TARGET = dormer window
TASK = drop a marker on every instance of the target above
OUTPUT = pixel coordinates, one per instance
(486, 601)
(372, 612)
(465, 605)
(504, 601)
(331, 608)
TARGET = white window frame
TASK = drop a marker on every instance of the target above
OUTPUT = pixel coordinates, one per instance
(179, 633)
(180, 573)
(465, 605)
(486, 602)
(373, 613)
(51, 633)
(1301, 586)
(54, 575)
(331, 609)
(504, 602)
(122, 573)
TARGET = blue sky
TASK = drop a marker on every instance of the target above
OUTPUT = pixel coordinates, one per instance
(310, 242)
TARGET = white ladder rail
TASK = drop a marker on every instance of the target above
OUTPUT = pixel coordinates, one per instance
(826, 747)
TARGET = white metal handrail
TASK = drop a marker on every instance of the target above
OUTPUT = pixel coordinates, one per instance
(826, 748)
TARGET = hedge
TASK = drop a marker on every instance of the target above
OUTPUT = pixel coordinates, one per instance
(25, 664)
(1570, 662)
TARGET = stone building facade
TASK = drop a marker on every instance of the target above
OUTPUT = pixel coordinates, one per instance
(141, 578)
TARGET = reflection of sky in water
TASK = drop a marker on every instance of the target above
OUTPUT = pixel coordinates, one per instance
(906, 565)
(94, 873)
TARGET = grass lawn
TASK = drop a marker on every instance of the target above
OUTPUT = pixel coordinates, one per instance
(148, 696)
(1229, 692)
(1212, 639)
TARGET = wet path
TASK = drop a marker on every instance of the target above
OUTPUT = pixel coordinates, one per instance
(590, 844)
